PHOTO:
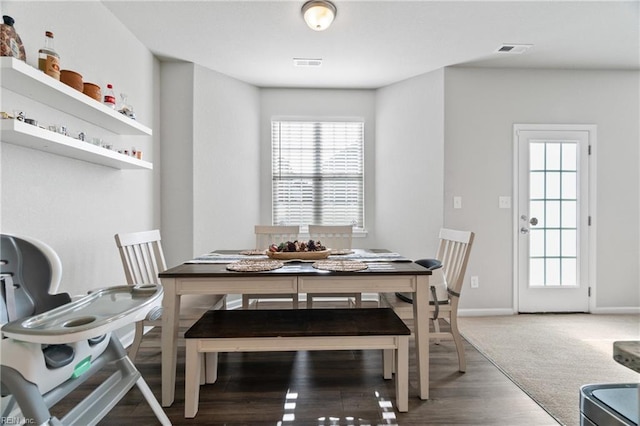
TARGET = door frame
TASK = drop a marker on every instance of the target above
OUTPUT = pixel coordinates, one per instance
(591, 129)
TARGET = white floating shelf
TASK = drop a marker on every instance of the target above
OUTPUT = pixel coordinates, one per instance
(29, 136)
(22, 78)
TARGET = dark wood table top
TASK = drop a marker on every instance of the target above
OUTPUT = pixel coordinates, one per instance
(402, 266)
(298, 323)
(219, 270)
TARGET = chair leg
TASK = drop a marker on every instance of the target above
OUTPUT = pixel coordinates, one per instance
(436, 328)
(457, 338)
(137, 341)
(358, 300)
(245, 301)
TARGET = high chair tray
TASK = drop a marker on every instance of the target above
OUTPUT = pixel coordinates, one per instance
(97, 313)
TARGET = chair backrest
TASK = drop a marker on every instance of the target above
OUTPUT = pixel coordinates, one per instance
(275, 234)
(453, 252)
(142, 256)
(30, 273)
(333, 237)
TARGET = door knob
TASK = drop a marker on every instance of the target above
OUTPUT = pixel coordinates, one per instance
(533, 221)
(524, 230)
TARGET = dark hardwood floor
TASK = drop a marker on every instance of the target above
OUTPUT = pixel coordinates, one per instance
(328, 388)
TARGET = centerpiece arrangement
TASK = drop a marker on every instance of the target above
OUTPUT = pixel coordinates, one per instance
(310, 250)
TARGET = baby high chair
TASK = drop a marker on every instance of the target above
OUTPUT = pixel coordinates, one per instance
(51, 345)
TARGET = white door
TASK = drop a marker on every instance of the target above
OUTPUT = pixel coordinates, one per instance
(552, 217)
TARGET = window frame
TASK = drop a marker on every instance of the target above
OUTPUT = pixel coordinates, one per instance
(359, 228)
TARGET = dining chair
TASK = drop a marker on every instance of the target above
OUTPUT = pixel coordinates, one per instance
(143, 259)
(265, 236)
(453, 253)
(338, 238)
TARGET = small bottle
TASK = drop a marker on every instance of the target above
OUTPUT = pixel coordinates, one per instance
(48, 58)
(110, 97)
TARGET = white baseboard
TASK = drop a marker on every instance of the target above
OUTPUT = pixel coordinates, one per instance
(485, 312)
(625, 310)
(509, 311)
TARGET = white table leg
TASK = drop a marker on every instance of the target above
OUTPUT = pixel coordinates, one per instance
(387, 363)
(421, 325)
(402, 374)
(170, 317)
(193, 362)
(203, 369)
(211, 364)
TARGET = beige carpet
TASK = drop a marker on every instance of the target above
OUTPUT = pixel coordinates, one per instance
(551, 355)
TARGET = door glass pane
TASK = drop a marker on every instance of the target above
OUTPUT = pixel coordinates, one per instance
(569, 185)
(569, 156)
(536, 272)
(552, 156)
(569, 243)
(552, 214)
(569, 271)
(536, 156)
(536, 185)
(552, 275)
(552, 185)
(569, 214)
(536, 243)
(553, 245)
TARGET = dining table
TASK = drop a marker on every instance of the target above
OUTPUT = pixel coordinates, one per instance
(380, 271)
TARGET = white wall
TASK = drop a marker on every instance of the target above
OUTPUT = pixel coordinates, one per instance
(226, 161)
(76, 206)
(409, 165)
(481, 106)
(210, 149)
(176, 136)
(319, 104)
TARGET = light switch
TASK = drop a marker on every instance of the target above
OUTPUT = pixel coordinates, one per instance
(504, 202)
(457, 202)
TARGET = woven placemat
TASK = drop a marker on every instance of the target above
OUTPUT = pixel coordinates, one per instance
(340, 265)
(341, 252)
(254, 265)
(255, 252)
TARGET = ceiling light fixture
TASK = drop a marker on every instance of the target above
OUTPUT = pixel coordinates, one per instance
(318, 14)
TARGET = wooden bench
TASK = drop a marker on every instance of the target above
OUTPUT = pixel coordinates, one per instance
(294, 330)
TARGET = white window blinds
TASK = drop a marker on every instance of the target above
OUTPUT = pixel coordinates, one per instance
(318, 173)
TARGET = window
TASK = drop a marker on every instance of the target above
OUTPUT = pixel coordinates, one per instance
(318, 173)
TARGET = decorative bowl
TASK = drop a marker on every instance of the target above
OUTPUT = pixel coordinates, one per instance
(299, 255)
(93, 91)
(72, 79)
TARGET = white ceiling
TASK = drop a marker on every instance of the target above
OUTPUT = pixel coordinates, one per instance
(375, 43)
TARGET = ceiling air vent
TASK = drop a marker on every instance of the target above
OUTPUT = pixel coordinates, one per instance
(513, 48)
(307, 62)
